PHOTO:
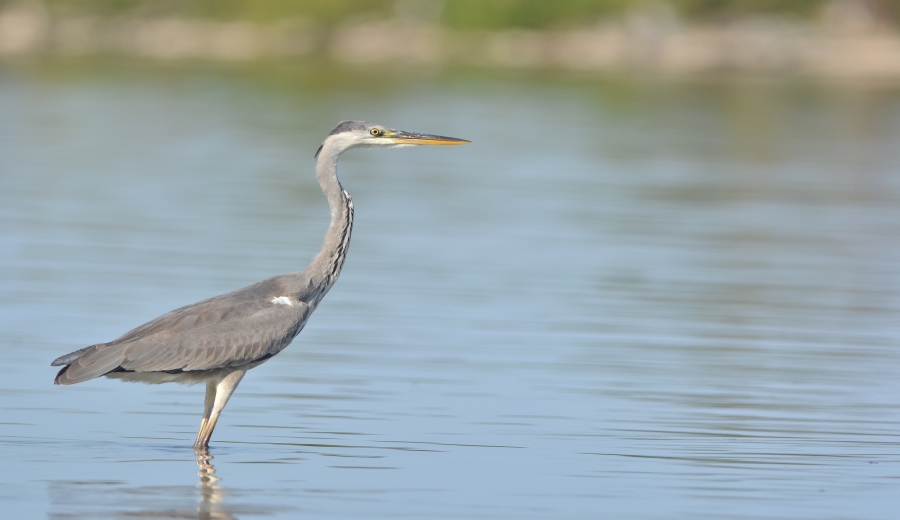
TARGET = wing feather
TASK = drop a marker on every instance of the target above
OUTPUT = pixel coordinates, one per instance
(222, 344)
(225, 331)
(95, 362)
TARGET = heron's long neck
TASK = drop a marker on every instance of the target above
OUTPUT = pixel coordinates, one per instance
(326, 266)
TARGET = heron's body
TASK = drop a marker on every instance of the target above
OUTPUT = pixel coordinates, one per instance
(217, 340)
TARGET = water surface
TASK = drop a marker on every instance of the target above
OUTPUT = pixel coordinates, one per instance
(625, 299)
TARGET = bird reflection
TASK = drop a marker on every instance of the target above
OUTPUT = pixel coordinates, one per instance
(121, 499)
(212, 496)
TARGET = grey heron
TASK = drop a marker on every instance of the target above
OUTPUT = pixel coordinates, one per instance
(215, 341)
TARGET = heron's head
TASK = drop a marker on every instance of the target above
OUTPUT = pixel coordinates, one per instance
(352, 134)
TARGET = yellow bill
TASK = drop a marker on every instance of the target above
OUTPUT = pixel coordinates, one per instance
(401, 137)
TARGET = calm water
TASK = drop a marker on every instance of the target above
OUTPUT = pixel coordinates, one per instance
(623, 300)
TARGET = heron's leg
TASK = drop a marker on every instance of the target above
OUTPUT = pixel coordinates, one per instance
(224, 389)
(207, 408)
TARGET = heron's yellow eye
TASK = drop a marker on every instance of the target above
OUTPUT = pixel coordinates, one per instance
(376, 132)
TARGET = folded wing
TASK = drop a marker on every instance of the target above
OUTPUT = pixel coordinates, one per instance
(226, 331)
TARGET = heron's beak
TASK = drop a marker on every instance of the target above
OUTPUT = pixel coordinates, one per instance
(401, 137)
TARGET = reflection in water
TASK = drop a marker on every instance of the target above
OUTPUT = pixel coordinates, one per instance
(115, 499)
(212, 496)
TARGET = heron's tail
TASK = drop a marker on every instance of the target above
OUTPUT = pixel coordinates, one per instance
(87, 363)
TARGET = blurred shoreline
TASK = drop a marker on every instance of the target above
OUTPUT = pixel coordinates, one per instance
(843, 44)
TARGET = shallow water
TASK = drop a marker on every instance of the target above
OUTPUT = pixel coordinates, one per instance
(625, 299)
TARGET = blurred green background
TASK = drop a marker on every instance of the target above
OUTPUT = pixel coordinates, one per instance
(457, 14)
(829, 39)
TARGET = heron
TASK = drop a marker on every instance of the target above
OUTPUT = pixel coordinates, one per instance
(217, 340)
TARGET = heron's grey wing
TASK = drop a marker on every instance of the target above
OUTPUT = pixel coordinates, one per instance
(95, 361)
(210, 310)
(235, 305)
(228, 330)
(197, 315)
(226, 343)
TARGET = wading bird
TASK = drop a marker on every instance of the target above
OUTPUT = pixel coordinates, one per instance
(216, 341)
